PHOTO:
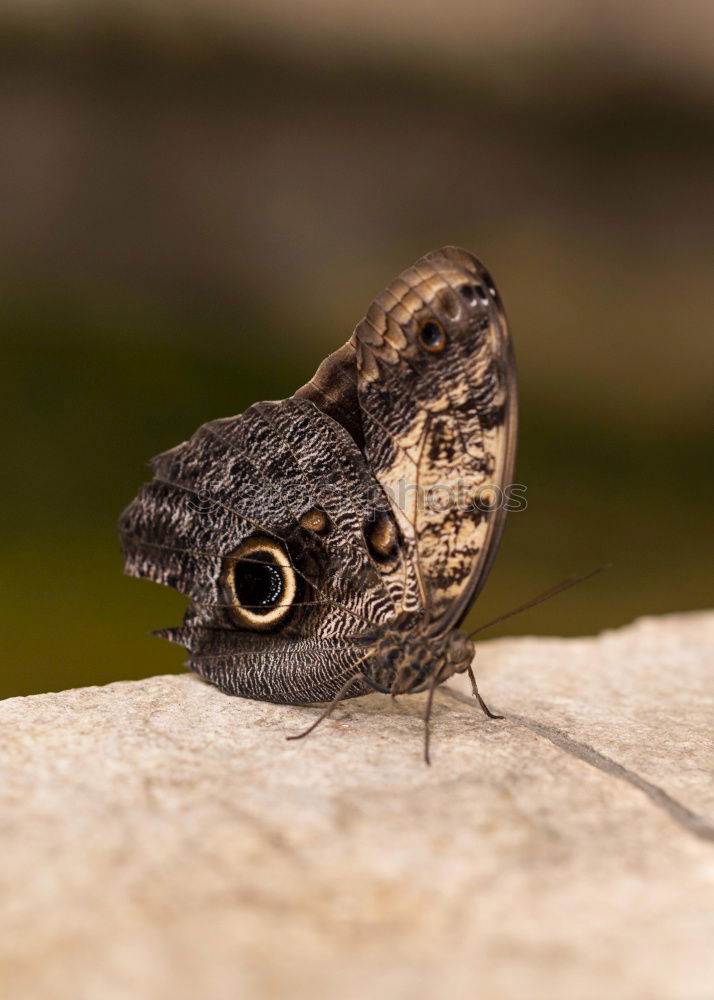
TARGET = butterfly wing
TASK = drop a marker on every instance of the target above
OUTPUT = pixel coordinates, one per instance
(259, 519)
(427, 389)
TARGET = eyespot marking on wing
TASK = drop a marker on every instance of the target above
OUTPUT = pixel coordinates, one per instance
(260, 583)
(316, 521)
(382, 537)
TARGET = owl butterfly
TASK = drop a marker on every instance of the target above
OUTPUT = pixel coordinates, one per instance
(332, 543)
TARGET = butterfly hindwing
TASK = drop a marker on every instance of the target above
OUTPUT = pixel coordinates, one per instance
(287, 475)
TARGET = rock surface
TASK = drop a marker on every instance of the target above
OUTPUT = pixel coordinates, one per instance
(161, 841)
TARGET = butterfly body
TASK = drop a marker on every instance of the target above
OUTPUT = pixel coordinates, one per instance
(332, 543)
(407, 661)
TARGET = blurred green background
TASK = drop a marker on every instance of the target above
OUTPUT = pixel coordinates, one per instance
(199, 202)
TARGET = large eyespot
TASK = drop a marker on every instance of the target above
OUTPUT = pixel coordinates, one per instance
(260, 582)
(432, 337)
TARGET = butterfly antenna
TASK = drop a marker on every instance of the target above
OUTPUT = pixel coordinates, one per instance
(566, 584)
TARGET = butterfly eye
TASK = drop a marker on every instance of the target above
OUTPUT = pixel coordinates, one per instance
(432, 337)
(260, 582)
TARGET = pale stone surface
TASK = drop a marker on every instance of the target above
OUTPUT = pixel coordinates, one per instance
(161, 841)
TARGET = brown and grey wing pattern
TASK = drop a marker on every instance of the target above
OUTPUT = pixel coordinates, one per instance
(259, 520)
(427, 387)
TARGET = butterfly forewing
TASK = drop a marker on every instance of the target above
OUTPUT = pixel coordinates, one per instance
(431, 372)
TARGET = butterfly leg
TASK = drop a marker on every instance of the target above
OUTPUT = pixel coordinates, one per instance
(331, 707)
(435, 681)
(475, 692)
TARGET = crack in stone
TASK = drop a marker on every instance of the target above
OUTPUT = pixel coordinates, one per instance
(693, 823)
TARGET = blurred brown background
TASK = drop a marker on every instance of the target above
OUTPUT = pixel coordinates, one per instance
(199, 200)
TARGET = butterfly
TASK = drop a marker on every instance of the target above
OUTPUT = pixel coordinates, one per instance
(332, 543)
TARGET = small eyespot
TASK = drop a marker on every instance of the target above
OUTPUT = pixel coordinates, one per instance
(472, 293)
(316, 520)
(382, 537)
(487, 499)
(432, 337)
